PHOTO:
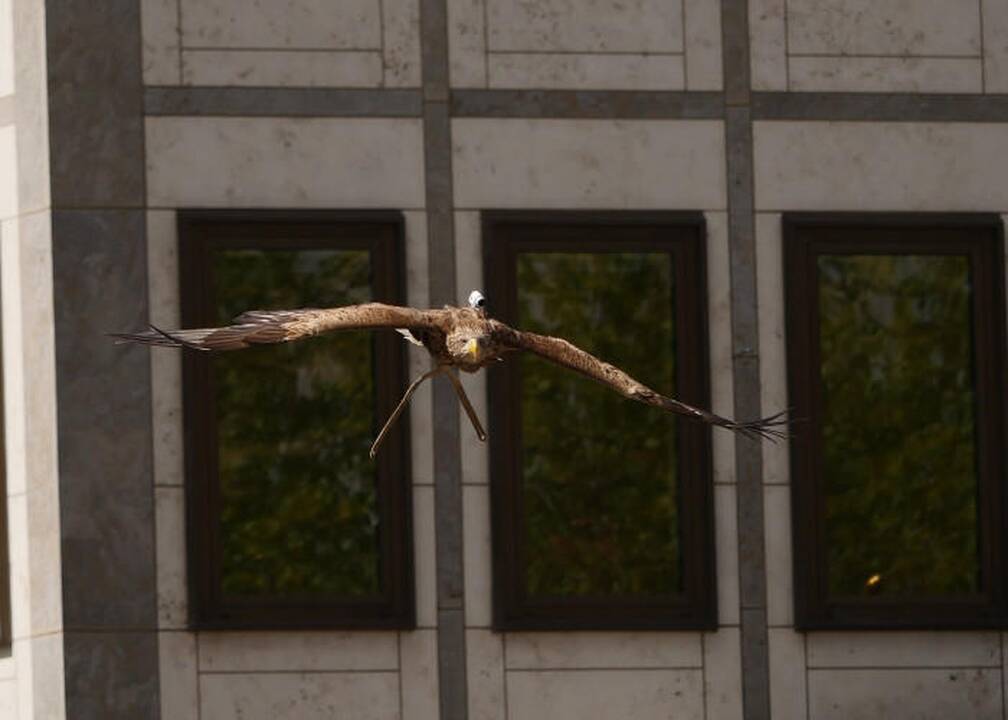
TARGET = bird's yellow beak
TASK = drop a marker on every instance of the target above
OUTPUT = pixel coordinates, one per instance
(472, 348)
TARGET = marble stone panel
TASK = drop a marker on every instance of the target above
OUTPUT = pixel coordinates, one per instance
(425, 555)
(300, 696)
(880, 166)
(787, 674)
(720, 342)
(723, 674)
(9, 699)
(477, 554)
(612, 694)
(726, 529)
(581, 650)
(160, 29)
(768, 44)
(179, 676)
(919, 694)
(773, 351)
(485, 675)
(619, 164)
(586, 71)
(904, 649)
(467, 43)
(8, 172)
(306, 24)
(282, 68)
(703, 44)
(995, 45)
(284, 162)
(886, 74)
(884, 27)
(172, 597)
(6, 48)
(585, 25)
(419, 674)
(108, 675)
(401, 28)
(307, 651)
(777, 524)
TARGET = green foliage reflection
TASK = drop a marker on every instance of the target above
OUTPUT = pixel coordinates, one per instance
(599, 471)
(898, 434)
(299, 514)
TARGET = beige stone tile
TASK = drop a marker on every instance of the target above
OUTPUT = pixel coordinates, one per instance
(8, 699)
(485, 675)
(768, 44)
(904, 649)
(160, 32)
(31, 82)
(526, 163)
(44, 552)
(6, 48)
(467, 43)
(703, 44)
(48, 685)
(723, 674)
(787, 674)
(880, 166)
(477, 555)
(424, 552)
(581, 650)
(877, 74)
(884, 27)
(8, 172)
(610, 694)
(179, 676)
(14, 400)
(419, 675)
(173, 605)
(995, 45)
(276, 162)
(282, 68)
(8, 667)
(265, 651)
(726, 535)
(314, 24)
(166, 367)
(20, 582)
(919, 694)
(773, 351)
(401, 29)
(777, 514)
(301, 696)
(22, 654)
(720, 341)
(585, 25)
(586, 71)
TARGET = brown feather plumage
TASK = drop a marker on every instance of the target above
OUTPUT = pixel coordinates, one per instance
(461, 338)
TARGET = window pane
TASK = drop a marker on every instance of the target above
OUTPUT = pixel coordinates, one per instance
(299, 514)
(898, 432)
(599, 472)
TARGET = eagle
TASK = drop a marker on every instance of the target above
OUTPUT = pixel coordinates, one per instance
(457, 338)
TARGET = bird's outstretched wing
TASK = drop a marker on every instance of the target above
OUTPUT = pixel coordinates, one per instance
(263, 327)
(568, 355)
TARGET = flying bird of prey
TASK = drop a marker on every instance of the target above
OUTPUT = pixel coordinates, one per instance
(456, 337)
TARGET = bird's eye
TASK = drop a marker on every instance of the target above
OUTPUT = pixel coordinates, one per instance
(476, 299)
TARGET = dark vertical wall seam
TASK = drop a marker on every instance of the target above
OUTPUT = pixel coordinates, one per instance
(447, 449)
(106, 493)
(745, 351)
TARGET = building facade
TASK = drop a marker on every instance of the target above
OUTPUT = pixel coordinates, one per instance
(117, 119)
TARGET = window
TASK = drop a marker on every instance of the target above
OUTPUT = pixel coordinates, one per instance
(290, 523)
(601, 506)
(895, 329)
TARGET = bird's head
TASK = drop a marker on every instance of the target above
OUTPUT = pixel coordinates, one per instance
(473, 349)
(477, 301)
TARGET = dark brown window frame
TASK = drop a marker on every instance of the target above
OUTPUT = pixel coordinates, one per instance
(980, 236)
(680, 233)
(380, 232)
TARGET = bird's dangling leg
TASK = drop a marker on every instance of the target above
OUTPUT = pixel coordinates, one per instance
(399, 408)
(467, 405)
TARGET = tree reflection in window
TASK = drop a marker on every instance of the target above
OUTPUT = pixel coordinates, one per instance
(899, 446)
(599, 472)
(299, 514)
